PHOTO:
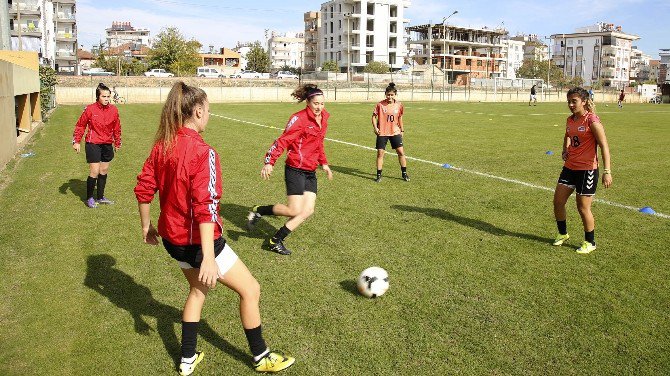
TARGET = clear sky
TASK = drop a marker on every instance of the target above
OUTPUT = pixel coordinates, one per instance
(224, 23)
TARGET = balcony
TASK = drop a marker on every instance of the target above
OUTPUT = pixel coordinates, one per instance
(27, 31)
(66, 37)
(65, 1)
(66, 18)
(25, 9)
(66, 55)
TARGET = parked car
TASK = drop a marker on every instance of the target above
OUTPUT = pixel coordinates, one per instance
(282, 75)
(96, 72)
(249, 74)
(158, 73)
(209, 72)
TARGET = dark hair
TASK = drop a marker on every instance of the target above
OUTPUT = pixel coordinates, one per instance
(391, 88)
(585, 96)
(306, 91)
(179, 105)
(98, 90)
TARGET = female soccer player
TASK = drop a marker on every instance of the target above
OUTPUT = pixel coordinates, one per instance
(104, 129)
(388, 126)
(187, 175)
(303, 141)
(583, 134)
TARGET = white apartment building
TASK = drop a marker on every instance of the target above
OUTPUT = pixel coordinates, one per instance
(312, 26)
(123, 32)
(354, 33)
(598, 52)
(513, 52)
(47, 27)
(286, 49)
(639, 65)
(533, 48)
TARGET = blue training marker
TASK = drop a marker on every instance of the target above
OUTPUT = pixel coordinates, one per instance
(647, 210)
(549, 152)
(446, 165)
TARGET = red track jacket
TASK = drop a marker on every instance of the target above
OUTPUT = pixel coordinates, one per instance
(188, 181)
(303, 141)
(104, 126)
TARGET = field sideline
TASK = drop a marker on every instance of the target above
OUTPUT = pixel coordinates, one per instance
(476, 287)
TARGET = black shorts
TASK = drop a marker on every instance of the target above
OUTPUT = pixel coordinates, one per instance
(298, 181)
(584, 182)
(192, 254)
(396, 141)
(96, 153)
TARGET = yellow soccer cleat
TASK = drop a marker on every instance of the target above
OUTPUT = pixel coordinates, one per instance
(560, 239)
(274, 362)
(186, 368)
(586, 247)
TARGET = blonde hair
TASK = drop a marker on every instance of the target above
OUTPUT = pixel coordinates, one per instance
(589, 105)
(178, 106)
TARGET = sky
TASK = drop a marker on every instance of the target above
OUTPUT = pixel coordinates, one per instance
(224, 23)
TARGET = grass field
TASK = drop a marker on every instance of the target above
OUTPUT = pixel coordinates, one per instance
(476, 287)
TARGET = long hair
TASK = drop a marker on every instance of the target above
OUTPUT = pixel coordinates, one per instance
(585, 96)
(391, 89)
(179, 106)
(98, 90)
(305, 92)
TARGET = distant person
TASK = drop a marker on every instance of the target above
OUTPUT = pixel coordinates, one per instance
(387, 123)
(100, 121)
(592, 95)
(303, 141)
(533, 96)
(584, 133)
(186, 173)
(622, 95)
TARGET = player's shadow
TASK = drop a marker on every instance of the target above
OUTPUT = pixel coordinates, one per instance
(358, 173)
(76, 186)
(125, 293)
(350, 286)
(474, 223)
(237, 215)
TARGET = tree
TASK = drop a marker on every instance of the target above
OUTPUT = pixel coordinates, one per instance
(47, 83)
(377, 67)
(538, 69)
(329, 66)
(257, 59)
(173, 52)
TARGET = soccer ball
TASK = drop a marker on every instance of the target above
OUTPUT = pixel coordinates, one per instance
(373, 282)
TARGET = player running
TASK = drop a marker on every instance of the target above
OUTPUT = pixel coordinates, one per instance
(303, 141)
(583, 134)
(388, 126)
(102, 125)
(187, 175)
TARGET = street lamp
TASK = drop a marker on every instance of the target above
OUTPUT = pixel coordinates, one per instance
(444, 39)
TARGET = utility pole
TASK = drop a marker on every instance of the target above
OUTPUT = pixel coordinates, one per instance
(348, 17)
(18, 24)
(5, 38)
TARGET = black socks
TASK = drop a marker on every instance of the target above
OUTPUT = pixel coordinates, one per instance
(189, 338)
(90, 186)
(562, 227)
(590, 236)
(256, 341)
(265, 210)
(282, 233)
(102, 181)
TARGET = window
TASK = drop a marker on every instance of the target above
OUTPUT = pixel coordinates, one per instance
(331, 42)
(339, 24)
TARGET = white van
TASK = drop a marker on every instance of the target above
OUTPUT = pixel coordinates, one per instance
(209, 72)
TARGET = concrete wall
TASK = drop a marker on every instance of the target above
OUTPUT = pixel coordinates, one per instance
(83, 95)
(8, 145)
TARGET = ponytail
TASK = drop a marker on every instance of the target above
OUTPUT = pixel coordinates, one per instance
(590, 106)
(178, 106)
(306, 91)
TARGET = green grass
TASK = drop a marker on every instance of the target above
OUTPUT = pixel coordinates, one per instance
(476, 288)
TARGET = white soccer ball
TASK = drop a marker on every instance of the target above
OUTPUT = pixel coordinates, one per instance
(373, 282)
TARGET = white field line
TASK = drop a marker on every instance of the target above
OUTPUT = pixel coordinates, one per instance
(483, 174)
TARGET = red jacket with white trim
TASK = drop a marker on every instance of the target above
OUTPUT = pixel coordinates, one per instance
(188, 181)
(303, 141)
(104, 125)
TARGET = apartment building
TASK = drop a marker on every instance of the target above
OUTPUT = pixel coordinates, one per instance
(121, 33)
(286, 49)
(514, 53)
(639, 65)
(534, 48)
(654, 66)
(599, 52)
(354, 33)
(48, 28)
(664, 66)
(312, 26)
(461, 52)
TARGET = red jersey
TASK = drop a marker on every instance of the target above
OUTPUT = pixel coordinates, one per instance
(188, 181)
(303, 141)
(103, 123)
(583, 146)
(388, 117)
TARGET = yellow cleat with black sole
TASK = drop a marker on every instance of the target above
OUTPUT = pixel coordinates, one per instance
(274, 362)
